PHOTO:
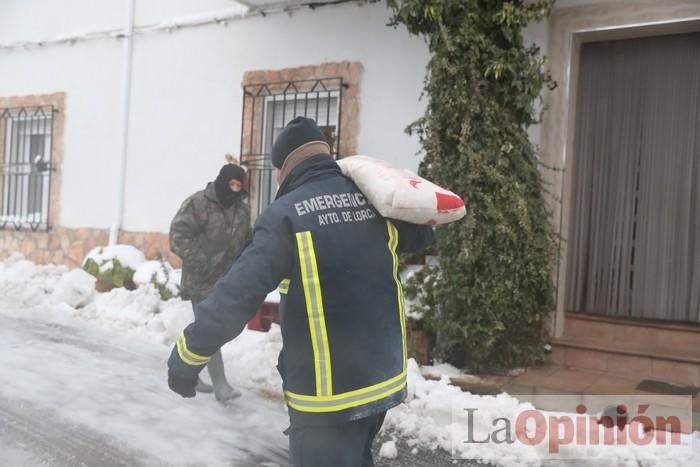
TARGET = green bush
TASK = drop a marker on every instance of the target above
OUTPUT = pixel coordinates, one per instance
(490, 297)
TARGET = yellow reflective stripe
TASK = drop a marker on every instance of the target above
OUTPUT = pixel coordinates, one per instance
(349, 399)
(309, 312)
(356, 392)
(184, 357)
(321, 319)
(284, 286)
(393, 244)
(188, 356)
(314, 310)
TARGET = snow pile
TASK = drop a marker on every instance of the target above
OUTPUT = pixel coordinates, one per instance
(75, 288)
(161, 272)
(125, 309)
(251, 360)
(24, 285)
(175, 314)
(127, 255)
(434, 416)
(389, 450)
(440, 369)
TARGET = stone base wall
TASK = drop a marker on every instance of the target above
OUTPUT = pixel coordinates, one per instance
(69, 246)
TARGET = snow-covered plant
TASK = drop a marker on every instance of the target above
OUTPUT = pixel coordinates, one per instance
(114, 266)
(115, 276)
(164, 278)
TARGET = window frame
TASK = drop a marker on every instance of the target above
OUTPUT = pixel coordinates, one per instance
(15, 182)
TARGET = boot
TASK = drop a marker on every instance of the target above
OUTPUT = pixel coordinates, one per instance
(223, 391)
(203, 387)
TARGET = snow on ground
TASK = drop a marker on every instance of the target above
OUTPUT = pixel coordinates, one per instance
(139, 318)
(251, 358)
(106, 372)
(107, 393)
(18, 455)
(428, 418)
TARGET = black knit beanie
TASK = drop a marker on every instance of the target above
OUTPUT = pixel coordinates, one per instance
(299, 131)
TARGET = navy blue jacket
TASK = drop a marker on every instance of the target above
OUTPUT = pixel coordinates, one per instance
(341, 312)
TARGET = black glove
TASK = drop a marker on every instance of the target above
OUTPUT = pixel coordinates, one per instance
(183, 386)
(184, 367)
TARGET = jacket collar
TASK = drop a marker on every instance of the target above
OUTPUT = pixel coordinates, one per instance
(210, 192)
(314, 168)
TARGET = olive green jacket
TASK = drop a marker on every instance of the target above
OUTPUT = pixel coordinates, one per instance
(208, 238)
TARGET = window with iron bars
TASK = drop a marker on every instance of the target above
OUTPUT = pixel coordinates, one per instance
(26, 135)
(267, 109)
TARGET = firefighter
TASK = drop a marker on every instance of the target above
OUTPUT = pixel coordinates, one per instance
(342, 318)
(208, 233)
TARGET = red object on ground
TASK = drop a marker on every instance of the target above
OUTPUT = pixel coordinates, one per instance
(264, 317)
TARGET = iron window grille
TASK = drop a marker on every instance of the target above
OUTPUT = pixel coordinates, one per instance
(26, 136)
(267, 109)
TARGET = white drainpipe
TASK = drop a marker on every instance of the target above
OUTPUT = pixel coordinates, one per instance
(124, 145)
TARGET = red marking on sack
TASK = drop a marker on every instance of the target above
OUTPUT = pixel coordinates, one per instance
(431, 222)
(414, 183)
(447, 203)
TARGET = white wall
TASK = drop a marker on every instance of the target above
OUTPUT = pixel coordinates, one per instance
(31, 20)
(87, 74)
(186, 95)
(28, 20)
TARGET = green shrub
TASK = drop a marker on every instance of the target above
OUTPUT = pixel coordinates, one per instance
(490, 297)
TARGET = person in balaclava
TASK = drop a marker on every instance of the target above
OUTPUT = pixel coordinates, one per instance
(208, 233)
(342, 317)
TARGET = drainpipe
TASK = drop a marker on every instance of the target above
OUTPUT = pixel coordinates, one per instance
(128, 38)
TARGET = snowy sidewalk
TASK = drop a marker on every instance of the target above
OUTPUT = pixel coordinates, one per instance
(77, 397)
(83, 382)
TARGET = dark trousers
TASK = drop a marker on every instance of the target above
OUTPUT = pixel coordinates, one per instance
(344, 445)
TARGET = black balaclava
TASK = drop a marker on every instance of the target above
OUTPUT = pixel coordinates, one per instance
(224, 194)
